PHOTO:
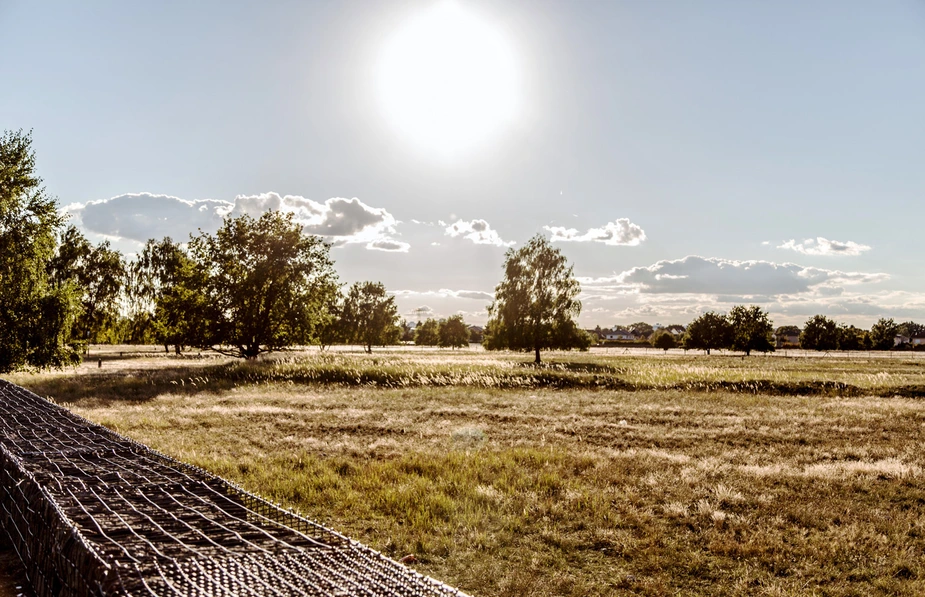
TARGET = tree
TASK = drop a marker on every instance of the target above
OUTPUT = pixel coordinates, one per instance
(167, 285)
(453, 332)
(536, 302)
(407, 332)
(475, 335)
(883, 334)
(260, 285)
(910, 329)
(663, 339)
(370, 315)
(852, 338)
(427, 333)
(331, 328)
(819, 333)
(751, 329)
(153, 281)
(36, 316)
(710, 330)
(642, 328)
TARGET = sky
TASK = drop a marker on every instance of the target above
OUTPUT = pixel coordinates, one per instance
(684, 155)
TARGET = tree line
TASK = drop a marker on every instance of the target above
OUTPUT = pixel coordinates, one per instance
(261, 284)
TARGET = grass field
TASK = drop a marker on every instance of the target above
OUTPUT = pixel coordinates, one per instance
(593, 475)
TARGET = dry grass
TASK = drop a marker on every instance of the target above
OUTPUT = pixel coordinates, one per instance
(652, 490)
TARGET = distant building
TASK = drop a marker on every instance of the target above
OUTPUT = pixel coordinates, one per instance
(917, 339)
(619, 335)
(900, 339)
(786, 339)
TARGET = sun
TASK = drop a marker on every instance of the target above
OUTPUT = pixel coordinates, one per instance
(447, 80)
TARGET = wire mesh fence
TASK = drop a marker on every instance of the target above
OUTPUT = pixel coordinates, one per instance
(90, 512)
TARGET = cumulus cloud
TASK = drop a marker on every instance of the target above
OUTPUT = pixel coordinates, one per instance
(714, 276)
(447, 293)
(824, 246)
(619, 232)
(478, 231)
(140, 216)
(387, 244)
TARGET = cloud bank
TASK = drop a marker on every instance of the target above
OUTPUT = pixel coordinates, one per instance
(478, 231)
(823, 246)
(620, 232)
(701, 275)
(140, 216)
(678, 290)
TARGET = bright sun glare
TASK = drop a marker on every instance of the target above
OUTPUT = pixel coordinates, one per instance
(447, 80)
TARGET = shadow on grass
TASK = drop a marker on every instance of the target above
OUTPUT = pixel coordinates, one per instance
(140, 385)
(128, 385)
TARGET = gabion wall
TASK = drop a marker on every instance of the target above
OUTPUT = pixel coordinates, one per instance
(93, 513)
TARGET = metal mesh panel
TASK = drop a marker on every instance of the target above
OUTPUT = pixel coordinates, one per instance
(91, 512)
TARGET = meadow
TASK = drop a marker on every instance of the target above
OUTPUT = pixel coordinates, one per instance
(594, 474)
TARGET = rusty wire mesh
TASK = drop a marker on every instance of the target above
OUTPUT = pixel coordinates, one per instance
(93, 513)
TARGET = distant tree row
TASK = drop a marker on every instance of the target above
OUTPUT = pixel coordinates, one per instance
(256, 285)
(451, 332)
(261, 285)
(744, 329)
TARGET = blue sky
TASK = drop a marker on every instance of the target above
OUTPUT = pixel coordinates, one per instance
(681, 154)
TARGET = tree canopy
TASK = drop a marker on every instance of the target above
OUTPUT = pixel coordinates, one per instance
(819, 333)
(262, 285)
(453, 332)
(427, 333)
(883, 334)
(707, 332)
(663, 339)
(536, 303)
(370, 316)
(751, 329)
(36, 316)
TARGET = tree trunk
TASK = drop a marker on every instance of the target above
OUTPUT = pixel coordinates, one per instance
(708, 352)
(537, 361)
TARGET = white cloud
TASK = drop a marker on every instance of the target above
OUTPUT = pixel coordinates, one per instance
(388, 244)
(478, 231)
(823, 246)
(619, 232)
(679, 290)
(447, 293)
(140, 216)
(713, 276)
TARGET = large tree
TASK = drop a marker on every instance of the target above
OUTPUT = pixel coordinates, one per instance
(263, 285)
(710, 330)
(663, 339)
(370, 316)
(36, 316)
(536, 303)
(852, 338)
(427, 332)
(751, 329)
(819, 333)
(453, 332)
(883, 334)
(99, 273)
(166, 284)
